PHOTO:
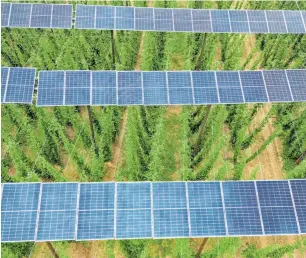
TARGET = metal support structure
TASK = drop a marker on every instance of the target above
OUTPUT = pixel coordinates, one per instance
(92, 129)
(51, 248)
(113, 49)
(198, 255)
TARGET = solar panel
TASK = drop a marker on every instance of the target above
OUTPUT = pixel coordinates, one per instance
(170, 210)
(105, 17)
(4, 77)
(19, 86)
(253, 86)
(125, 19)
(257, 21)
(155, 88)
(276, 207)
(220, 21)
(201, 20)
(19, 205)
(239, 21)
(51, 88)
(277, 86)
(296, 79)
(5, 14)
(85, 17)
(62, 16)
(133, 210)
(163, 19)
(276, 22)
(104, 88)
(242, 210)
(205, 89)
(294, 22)
(57, 215)
(229, 87)
(77, 87)
(93, 211)
(96, 211)
(41, 16)
(129, 88)
(298, 188)
(206, 209)
(144, 19)
(180, 88)
(182, 20)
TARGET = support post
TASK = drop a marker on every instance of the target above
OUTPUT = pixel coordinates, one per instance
(51, 248)
(113, 49)
(198, 255)
(301, 158)
(200, 60)
(92, 129)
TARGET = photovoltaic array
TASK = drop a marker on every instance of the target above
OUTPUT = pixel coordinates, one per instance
(152, 19)
(64, 88)
(92, 211)
(189, 20)
(36, 15)
(17, 84)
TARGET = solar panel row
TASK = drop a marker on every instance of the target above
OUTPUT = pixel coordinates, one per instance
(36, 15)
(88, 211)
(58, 88)
(188, 20)
(17, 84)
(152, 19)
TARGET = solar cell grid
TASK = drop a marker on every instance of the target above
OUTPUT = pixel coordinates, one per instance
(20, 15)
(125, 19)
(220, 21)
(62, 16)
(5, 12)
(297, 81)
(239, 21)
(182, 20)
(294, 22)
(4, 79)
(41, 16)
(201, 20)
(20, 197)
(133, 196)
(277, 86)
(257, 21)
(155, 88)
(169, 195)
(20, 85)
(276, 22)
(96, 196)
(144, 19)
(163, 19)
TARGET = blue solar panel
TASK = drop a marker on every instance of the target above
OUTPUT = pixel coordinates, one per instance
(96, 196)
(104, 89)
(59, 196)
(201, 20)
(169, 195)
(133, 196)
(20, 85)
(204, 195)
(257, 21)
(277, 86)
(105, 17)
(276, 207)
(125, 18)
(5, 12)
(299, 195)
(239, 21)
(279, 220)
(133, 224)
(220, 21)
(207, 222)
(276, 22)
(4, 76)
(96, 211)
(20, 197)
(205, 90)
(243, 221)
(297, 81)
(18, 226)
(171, 223)
(57, 211)
(253, 86)
(144, 19)
(51, 88)
(163, 19)
(182, 20)
(294, 22)
(180, 91)
(155, 88)
(242, 212)
(62, 16)
(56, 225)
(77, 88)
(85, 17)
(20, 15)
(129, 88)
(95, 224)
(230, 95)
(41, 16)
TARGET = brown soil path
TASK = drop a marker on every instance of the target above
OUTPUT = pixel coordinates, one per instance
(117, 150)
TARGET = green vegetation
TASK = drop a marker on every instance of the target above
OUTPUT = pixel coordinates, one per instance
(160, 143)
